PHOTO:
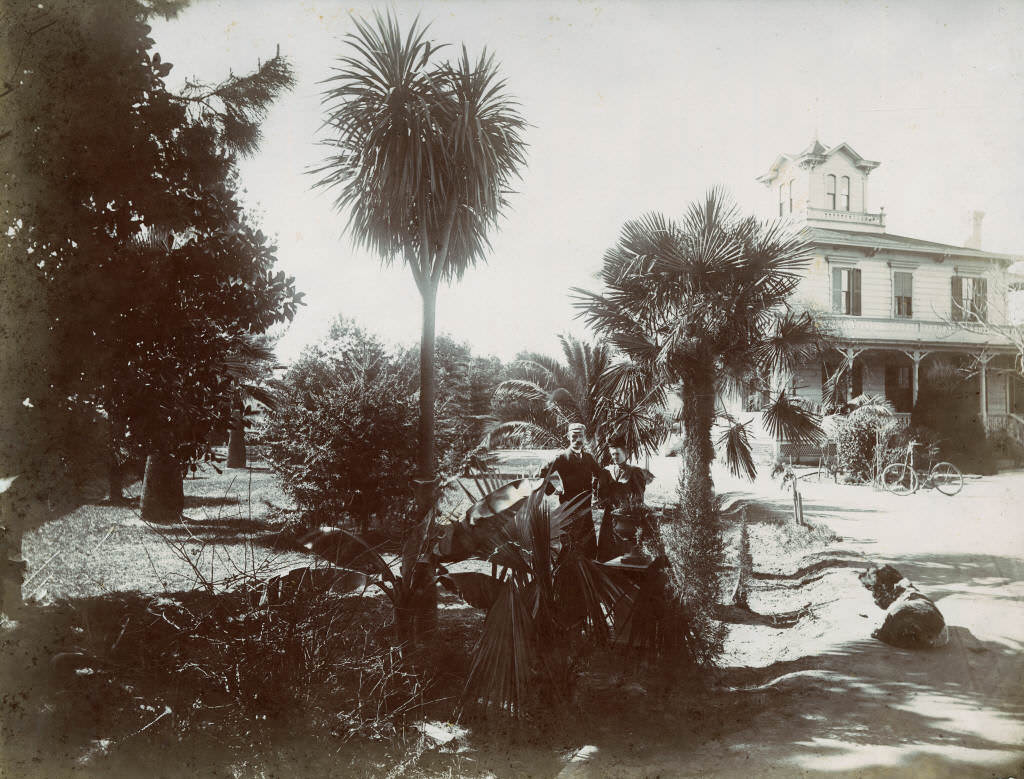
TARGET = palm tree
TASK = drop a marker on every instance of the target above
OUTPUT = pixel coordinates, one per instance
(423, 155)
(608, 396)
(702, 303)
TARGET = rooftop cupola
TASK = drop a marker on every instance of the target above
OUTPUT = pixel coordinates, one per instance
(824, 187)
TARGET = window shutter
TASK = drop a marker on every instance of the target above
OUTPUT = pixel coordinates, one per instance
(855, 292)
(957, 298)
(981, 299)
(837, 291)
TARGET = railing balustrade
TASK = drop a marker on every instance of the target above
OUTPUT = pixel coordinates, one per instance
(856, 217)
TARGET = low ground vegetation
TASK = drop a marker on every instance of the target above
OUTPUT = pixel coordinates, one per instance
(237, 672)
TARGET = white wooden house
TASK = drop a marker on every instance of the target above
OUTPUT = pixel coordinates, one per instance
(893, 301)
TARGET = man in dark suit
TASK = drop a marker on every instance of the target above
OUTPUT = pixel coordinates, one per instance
(577, 469)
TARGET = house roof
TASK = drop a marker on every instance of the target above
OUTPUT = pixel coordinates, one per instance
(815, 154)
(899, 243)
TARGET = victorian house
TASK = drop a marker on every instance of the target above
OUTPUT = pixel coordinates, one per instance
(896, 304)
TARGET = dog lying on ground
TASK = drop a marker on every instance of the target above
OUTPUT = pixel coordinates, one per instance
(912, 621)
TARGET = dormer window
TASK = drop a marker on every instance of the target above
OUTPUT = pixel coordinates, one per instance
(844, 194)
(830, 192)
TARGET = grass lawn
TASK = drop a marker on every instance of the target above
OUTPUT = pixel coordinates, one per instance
(231, 520)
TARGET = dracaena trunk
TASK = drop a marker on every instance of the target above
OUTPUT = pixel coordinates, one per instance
(425, 475)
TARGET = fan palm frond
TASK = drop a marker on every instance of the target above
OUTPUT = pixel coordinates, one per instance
(791, 342)
(833, 390)
(504, 657)
(878, 405)
(786, 419)
(739, 456)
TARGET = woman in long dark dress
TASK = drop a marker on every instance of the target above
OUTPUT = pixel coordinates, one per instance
(621, 493)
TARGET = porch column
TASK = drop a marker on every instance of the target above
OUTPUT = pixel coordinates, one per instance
(915, 378)
(983, 360)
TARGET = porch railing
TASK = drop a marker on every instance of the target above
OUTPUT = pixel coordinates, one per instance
(886, 329)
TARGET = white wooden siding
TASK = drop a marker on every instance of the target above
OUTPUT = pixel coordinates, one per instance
(932, 298)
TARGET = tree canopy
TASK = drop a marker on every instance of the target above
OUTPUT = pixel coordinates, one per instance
(134, 267)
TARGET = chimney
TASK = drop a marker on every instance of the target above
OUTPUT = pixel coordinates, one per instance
(974, 242)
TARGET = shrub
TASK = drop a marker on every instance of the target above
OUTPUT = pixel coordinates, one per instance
(948, 405)
(680, 595)
(344, 435)
(866, 441)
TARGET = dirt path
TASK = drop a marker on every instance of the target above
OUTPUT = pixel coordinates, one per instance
(824, 699)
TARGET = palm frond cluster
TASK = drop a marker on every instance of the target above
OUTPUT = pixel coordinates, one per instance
(423, 150)
(703, 302)
(591, 385)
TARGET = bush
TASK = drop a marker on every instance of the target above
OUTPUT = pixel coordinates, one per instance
(867, 440)
(689, 552)
(344, 435)
(948, 405)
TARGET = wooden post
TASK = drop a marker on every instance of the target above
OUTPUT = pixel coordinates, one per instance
(915, 381)
(983, 359)
(739, 595)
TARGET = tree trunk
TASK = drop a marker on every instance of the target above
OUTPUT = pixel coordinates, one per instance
(698, 416)
(12, 564)
(425, 474)
(115, 482)
(115, 474)
(236, 441)
(163, 494)
(703, 553)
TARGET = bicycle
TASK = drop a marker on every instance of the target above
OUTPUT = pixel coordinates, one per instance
(903, 478)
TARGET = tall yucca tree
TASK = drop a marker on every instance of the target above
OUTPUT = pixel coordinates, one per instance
(590, 385)
(702, 302)
(423, 154)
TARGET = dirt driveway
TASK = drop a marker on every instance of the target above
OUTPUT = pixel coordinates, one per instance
(827, 700)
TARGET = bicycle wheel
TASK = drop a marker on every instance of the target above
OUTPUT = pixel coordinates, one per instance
(899, 479)
(947, 478)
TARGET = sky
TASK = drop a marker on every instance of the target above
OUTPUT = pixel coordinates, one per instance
(633, 107)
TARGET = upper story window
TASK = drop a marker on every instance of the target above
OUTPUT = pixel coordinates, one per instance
(969, 299)
(844, 193)
(846, 291)
(830, 192)
(781, 212)
(903, 294)
(789, 190)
